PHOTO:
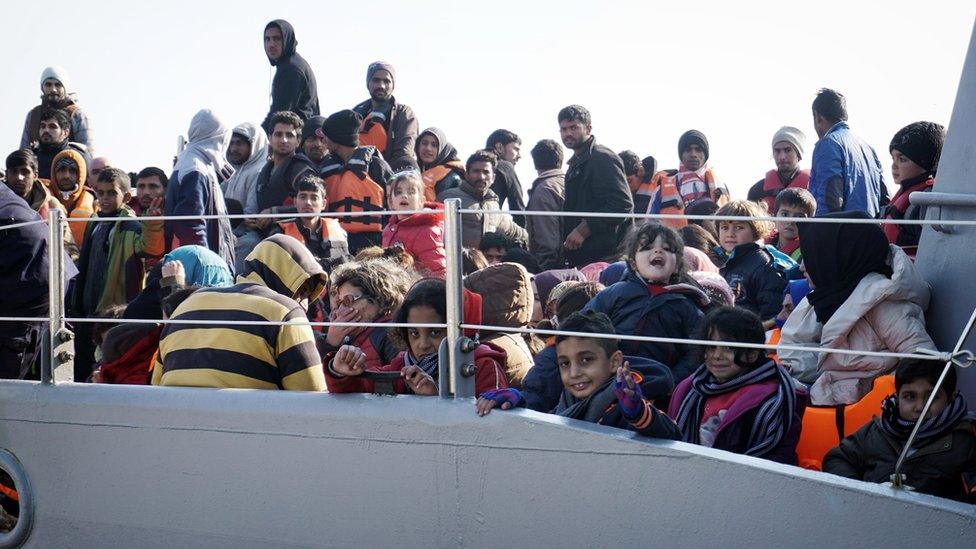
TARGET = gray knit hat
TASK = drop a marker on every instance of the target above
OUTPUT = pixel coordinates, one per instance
(791, 135)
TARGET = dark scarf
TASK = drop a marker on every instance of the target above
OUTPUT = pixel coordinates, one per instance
(837, 256)
(591, 408)
(429, 364)
(773, 419)
(932, 428)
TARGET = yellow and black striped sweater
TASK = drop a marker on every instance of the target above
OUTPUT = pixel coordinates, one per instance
(248, 356)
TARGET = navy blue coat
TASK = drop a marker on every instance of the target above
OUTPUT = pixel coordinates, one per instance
(634, 311)
(755, 280)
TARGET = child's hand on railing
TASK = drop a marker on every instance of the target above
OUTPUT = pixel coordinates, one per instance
(498, 398)
(419, 381)
(349, 360)
(630, 399)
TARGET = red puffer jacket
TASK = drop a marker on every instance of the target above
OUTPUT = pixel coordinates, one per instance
(138, 343)
(422, 236)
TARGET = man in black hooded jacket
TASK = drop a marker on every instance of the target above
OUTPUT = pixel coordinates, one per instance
(293, 88)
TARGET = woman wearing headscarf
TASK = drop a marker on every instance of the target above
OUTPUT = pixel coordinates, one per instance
(439, 163)
(866, 295)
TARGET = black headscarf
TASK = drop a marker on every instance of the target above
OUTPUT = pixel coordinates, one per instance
(837, 256)
(445, 151)
(288, 40)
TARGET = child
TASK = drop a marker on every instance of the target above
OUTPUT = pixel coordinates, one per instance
(739, 400)
(944, 456)
(915, 152)
(426, 303)
(756, 275)
(110, 267)
(323, 236)
(368, 291)
(651, 300)
(791, 202)
(421, 234)
(599, 386)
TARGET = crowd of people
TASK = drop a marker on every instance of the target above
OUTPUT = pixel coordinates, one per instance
(749, 282)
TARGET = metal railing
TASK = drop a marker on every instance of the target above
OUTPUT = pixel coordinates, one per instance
(455, 351)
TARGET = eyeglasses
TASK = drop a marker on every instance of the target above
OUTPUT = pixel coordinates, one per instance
(349, 300)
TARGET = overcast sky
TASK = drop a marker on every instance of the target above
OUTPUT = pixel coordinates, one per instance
(647, 71)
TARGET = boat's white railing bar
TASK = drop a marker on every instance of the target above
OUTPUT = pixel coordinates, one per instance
(21, 224)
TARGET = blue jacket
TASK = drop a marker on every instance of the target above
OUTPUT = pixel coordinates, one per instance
(846, 174)
(634, 311)
(757, 278)
(195, 194)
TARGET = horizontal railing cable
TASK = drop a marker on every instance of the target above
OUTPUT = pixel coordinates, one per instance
(836, 220)
(935, 355)
(292, 215)
(300, 322)
(23, 224)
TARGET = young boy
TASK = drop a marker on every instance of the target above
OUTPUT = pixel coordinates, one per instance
(599, 386)
(943, 462)
(915, 152)
(756, 275)
(110, 269)
(790, 202)
(323, 236)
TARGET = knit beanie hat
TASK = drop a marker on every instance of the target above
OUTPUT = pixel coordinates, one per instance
(380, 65)
(57, 73)
(922, 143)
(650, 167)
(343, 127)
(312, 124)
(693, 137)
(791, 135)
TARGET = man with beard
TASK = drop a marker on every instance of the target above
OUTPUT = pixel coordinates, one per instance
(313, 142)
(787, 152)
(476, 194)
(389, 126)
(150, 185)
(293, 88)
(56, 95)
(53, 138)
(595, 182)
(22, 179)
(248, 154)
(507, 146)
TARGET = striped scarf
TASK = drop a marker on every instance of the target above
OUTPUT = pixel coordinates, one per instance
(773, 418)
(932, 428)
(429, 364)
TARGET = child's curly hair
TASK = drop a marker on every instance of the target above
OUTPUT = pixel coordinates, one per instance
(395, 253)
(747, 208)
(646, 235)
(381, 280)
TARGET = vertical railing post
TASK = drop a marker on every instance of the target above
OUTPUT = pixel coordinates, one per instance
(455, 297)
(55, 285)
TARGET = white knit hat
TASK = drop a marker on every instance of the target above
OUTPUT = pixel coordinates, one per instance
(57, 73)
(791, 135)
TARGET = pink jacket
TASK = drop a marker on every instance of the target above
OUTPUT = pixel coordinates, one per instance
(422, 236)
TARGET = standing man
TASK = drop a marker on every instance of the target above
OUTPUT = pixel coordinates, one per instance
(676, 190)
(787, 151)
(389, 126)
(846, 174)
(247, 153)
(293, 88)
(507, 146)
(595, 182)
(194, 189)
(546, 195)
(55, 95)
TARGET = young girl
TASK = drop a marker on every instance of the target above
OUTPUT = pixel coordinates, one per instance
(651, 300)
(945, 447)
(421, 234)
(426, 303)
(756, 273)
(368, 291)
(739, 400)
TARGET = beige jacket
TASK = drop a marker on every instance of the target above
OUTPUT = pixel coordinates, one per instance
(882, 314)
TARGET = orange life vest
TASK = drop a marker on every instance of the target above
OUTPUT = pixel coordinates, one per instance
(772, 186)
(825, 426)
(348, 192)
(327, 226)
(84, 207)
(433, 176)
(373, 133)
(674, 199)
